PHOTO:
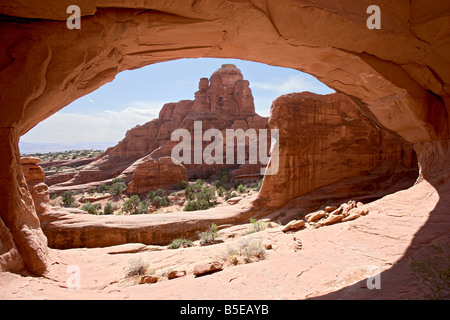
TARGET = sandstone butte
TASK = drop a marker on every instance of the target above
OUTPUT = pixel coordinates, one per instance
(397, 77)
(142, 158)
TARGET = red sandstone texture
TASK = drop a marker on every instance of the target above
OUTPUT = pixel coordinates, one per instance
(398, 76)
(333, 141)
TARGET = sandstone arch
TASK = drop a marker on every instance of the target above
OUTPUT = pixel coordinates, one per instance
(397, 75)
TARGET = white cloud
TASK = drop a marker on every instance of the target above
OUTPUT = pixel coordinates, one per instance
(108, 126)
(292, 84)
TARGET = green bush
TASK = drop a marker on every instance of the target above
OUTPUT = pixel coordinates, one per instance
(109, 208)
(177, 243)
(229, 195)
(67, 199)
(164, 202)
(151, 195)
(133, 205)
(157, 201)
(91, 208)
(260, 182)
(102, 188)
(117, 188)
(220, 191)
(117, 180)
(197, 205)
(160, 192)
(241, 188)
(182, 184)
(210, 235)
(208, 194)
(257, 225)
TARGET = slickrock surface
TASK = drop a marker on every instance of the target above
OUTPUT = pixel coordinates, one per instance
(333, 262)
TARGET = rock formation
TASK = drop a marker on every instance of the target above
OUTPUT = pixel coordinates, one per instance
(398, 75)
(150, 174)
(222, 102)
(35, 177)
(324, 139)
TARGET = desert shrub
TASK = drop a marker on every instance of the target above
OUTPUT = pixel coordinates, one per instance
(209, 236)
(151, 194)
(230, 194)
(91, 208)
(220, 191)
(197, 205)
(67, 199)
(117, 188)
(160, 192)
(217, 184)
(200, 196)
(177, 243)
(260, 182)
(241, 188)
(137, 267)
(133, 205)
(92, 190)
(256, 225)
(182, 184)
(247, 251)
(109, 208)
(102, 188)
(157, 201)
(142, 209)
(117, 180)
(206, 193)
(164, 201)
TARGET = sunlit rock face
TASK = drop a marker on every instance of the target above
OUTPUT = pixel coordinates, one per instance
(224, 101)
(398, 75)
(324, 139)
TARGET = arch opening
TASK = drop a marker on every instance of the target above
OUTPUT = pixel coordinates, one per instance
(396, 89)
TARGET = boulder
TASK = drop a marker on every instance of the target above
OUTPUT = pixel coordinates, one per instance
(207, 268)
(150, 174)
(315, 216)
(350, 217)
(148, 279)
(176, 274)
(331, 219)
(294, 225)
(329, 209)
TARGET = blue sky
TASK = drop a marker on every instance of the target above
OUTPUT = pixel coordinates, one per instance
(136, 97)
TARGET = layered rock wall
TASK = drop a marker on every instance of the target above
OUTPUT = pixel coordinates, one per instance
(324, 139)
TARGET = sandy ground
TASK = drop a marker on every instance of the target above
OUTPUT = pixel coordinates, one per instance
(342, 261)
